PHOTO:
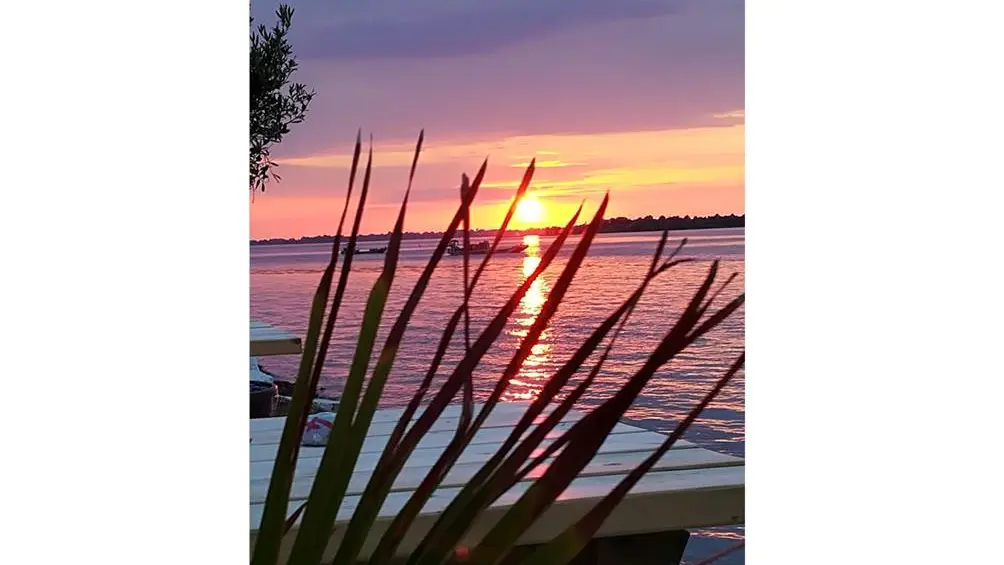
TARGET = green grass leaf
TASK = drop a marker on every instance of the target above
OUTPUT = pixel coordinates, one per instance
(274, 523)
(322, 504)
(376, 491)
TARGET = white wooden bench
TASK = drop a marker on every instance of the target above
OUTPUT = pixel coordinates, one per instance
(270, 340)
(689, 487)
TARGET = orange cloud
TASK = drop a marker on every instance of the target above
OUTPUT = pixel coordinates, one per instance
(694, 144)
(703, 168)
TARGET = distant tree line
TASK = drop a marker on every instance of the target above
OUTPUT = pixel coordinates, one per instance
(610, 225)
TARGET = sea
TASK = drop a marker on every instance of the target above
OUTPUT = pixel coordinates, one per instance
(284, 278)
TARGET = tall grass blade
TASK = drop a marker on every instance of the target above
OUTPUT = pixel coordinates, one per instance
(336, 302)
(389, 542)
(540, 322)
(467, 405)
(562, 376)
(343, 280)
(479, 348)
(437, 254)
(436, 541)
(273, 524)
(531, 442)
(488, 336)
(377, 489)
(477, 494)
(583, 439)
(315, 528)
(471, 359)
(563, 548)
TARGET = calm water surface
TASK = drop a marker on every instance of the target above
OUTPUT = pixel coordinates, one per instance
(284, 277)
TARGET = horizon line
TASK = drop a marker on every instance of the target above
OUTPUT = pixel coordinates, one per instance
(515, 231)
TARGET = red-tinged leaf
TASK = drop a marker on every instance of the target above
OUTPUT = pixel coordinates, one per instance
(716, 318)
(291, 521)
(466, 365)
(477, 494)
(520, 192)
(540, 322)
(437, 254)
(583, 439)
(438, 538)
(714, 296)
(569, 543)
(479, 348)
(388, 544)
(561, 377)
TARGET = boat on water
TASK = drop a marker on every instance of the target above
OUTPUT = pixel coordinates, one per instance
(482, 247)
(372, 251)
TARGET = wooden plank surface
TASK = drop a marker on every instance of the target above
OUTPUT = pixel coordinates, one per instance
(688, 487)
(603, 464)
(660, 501)
(270, 340)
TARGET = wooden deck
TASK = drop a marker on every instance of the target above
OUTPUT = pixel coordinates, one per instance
(689, 487)
(270, 340)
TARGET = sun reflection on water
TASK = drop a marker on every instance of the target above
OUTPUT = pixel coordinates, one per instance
(527, 383)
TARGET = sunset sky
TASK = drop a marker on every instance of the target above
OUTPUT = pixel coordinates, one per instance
(641, 97)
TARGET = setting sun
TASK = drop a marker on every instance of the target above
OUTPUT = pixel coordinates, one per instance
(529, 210)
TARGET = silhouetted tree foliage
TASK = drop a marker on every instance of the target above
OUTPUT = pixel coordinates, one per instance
(610, 225)
(276, 103)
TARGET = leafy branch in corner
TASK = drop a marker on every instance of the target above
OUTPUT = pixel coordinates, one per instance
(276, 102)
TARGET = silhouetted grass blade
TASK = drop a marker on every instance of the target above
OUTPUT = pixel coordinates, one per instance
(582, 441)
(274, 524)
(388, 544)
(336, 302)
(480, 346)
(378, 488)
(438, 539)
(569, 543)
(512, 462)
(480, 491)
(569, 402)
(322, 503)
(468, 385)
(372, 316)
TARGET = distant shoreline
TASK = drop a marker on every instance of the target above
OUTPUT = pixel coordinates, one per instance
(611, 225)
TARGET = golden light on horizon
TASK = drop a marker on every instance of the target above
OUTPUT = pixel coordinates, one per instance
(529, 210)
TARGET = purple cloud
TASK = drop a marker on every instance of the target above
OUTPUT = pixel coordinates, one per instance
(464, 32)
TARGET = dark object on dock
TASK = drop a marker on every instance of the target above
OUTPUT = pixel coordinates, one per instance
(322, 401)
(262, 399)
